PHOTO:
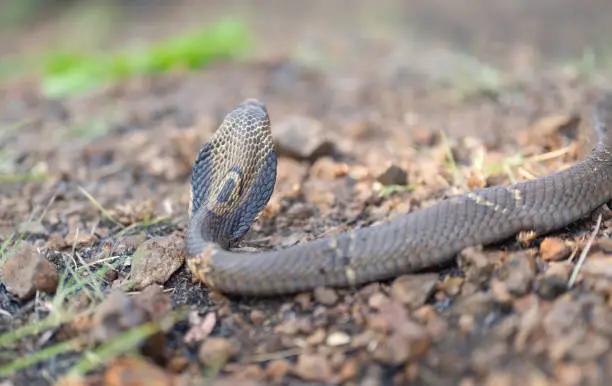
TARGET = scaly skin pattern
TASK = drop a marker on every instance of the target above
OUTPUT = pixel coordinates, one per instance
(411, 242)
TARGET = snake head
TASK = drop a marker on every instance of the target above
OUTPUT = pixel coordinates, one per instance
(233, 176)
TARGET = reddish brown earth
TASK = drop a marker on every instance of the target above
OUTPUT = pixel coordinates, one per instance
(392, 107)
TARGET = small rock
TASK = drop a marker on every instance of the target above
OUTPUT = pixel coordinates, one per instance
(322, 194)
(378, 323)
(597, 267)
(178, 364)
(138, 372)
(349, 370)
(326, 169)
(288, 327)
(337, 359)
(156, 260)
(604, 244)
(364, 339)
(517, 273)
(27, 271)
(554, 248)
(398, 348)
(201, 327)
(569, 374)
(500, 291)
(56, 242)
(325, 296)
(554, 281)
(132, 241)
(589, 348)
(33, 228)
(250, 372)
(216, 352)
(155, 302)
(451, 285)
(116, 314)
(601, 319)
(377, 300)
(139, 210)
(111, 275)
(413, 290)
(305, 325)
(477, 303)
(302, 138)
(544, 132)
(475, 264)
(80, 239)
(304, 300)
(311, 367)
(257, 317)
(466, 323)
(276, 370)
(394, 175)
(338, 338)
(423, 136)
(300, 211)
(317, 337)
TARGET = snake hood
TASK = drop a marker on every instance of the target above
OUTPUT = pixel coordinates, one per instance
(233, 176)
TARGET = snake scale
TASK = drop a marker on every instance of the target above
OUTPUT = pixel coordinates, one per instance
(235, 172)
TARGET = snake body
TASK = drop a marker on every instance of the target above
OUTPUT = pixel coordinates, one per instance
(234, 176)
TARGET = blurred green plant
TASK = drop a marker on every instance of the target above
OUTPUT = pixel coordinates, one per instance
(67, 73)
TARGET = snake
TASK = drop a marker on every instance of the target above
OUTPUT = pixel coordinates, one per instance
(234, 175)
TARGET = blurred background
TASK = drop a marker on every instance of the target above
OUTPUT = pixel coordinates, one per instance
(517, 36)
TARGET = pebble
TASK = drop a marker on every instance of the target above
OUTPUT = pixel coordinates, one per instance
(289, 327)
(27, 271)
(302, 137)
(33, 228)
(544, 132)
(80, 239)
(451, 285)
(338, 338)
(399, 348)
(413, 290)
(116, 314)
(554, 248)
(394, 175)
(475, 264)
(604, 244)
(277, 369)
(304, 300)
(216, 351)
(517, 273)
(554, 280)
(156, 303)
(311, 367)
(317, 337)
(137, 371)
(325, 296)
(476, 303)
(257, 317)
(349, 370)
(377, 300)
(156, 260)
(56, 242)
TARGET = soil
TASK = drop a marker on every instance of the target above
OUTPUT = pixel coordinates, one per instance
(389, 107)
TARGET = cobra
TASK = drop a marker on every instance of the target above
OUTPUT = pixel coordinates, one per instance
(235, 172)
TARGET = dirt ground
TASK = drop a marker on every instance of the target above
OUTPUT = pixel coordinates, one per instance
(412, 118)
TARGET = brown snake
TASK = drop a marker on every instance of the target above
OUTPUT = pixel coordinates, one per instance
(235, 172)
